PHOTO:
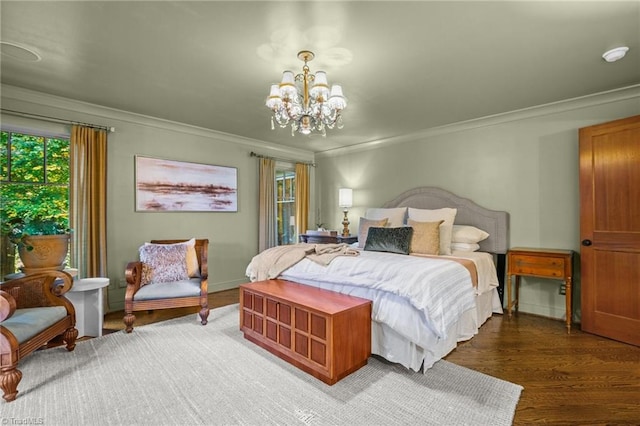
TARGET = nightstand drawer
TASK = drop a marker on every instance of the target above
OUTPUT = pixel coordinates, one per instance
(536, 265)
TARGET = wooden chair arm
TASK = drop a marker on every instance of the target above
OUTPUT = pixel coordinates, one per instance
(8, 305)
(133, 276)
(60, 283)
(40, 289)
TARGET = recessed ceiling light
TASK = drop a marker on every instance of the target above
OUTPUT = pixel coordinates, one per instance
(615, 54)
(18, 52)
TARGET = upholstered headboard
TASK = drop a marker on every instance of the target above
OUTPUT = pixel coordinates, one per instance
(496, 223)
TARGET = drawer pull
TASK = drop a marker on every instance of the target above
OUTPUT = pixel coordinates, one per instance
(586, 243)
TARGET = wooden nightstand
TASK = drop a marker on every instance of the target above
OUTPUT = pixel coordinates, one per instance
(541, 263)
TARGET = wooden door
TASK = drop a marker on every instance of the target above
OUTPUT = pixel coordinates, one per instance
(610, 229)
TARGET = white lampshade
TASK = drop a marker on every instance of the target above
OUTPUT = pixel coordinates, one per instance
(345, 197)
(287, 77)
(287, 85)
(337, 99)
(320, 87)
(321, 78)
(274, 99)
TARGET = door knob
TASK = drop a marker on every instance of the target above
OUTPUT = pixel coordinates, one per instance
(586, 242)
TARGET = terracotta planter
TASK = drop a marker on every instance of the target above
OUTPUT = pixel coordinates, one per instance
(49, 252)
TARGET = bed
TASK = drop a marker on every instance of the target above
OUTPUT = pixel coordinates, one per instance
(423, 305)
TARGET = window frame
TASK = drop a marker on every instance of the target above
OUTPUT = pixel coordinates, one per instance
(285, 205)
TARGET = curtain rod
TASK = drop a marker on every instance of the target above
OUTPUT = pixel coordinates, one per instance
(57, 120)
(253, 154)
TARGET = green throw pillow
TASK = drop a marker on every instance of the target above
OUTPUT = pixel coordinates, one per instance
(392, 240)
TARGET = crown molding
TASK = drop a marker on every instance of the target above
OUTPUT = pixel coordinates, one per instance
(587, 101)
(74, 107)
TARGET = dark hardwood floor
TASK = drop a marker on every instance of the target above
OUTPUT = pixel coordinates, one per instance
(576, 379)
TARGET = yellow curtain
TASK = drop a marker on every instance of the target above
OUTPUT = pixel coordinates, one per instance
(87, 200)
(267, 237)
(302, 198)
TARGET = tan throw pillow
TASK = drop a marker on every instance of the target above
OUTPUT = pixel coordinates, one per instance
(426, 237)
(446, 229)
(363, 228)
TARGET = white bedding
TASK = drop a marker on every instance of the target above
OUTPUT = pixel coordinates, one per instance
(437, 290)
(421, 306)
(487, 274)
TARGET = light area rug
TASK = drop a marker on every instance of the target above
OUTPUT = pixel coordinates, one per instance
(179, 372)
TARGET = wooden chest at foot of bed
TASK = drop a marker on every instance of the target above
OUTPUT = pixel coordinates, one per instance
(324, 333)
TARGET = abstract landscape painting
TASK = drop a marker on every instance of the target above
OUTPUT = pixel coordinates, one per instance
(166, 185)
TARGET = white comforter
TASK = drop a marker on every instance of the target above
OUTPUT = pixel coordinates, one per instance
(409, 293)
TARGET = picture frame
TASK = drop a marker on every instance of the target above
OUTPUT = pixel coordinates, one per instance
(180, 186)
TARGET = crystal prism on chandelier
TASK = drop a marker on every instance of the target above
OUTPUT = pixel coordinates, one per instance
(306, 109)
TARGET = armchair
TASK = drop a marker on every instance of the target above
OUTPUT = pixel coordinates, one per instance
(33, 311)
(164, 295)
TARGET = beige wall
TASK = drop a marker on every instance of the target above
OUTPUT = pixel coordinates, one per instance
(524, 162)
(232, 236)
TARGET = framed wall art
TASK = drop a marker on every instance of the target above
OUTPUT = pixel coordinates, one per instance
(178, 186)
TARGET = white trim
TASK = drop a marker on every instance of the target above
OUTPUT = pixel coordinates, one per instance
(106, 113)
(601, 98)
(74, 106)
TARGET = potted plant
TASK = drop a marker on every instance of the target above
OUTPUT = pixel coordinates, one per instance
(43, 242)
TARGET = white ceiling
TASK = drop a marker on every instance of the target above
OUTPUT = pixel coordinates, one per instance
(404, 66)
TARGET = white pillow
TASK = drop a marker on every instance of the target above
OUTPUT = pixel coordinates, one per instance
(464, 247)
(468, 234)
(395, 216)
(446, 229)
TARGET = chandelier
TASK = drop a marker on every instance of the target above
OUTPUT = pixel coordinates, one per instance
(308, 105)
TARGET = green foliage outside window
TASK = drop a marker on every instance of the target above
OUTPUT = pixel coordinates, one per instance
(34, 183)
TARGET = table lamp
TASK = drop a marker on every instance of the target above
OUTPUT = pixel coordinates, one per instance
(345, 200)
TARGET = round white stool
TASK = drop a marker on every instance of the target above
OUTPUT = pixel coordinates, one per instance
(86, 296)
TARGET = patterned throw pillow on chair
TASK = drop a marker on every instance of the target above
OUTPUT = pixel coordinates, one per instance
(163, 263)
(193, 266)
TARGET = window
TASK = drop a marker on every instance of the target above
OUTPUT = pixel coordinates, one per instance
(34, 175)
(286, 205)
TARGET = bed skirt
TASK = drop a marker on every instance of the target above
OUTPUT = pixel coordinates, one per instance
(393, 347)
